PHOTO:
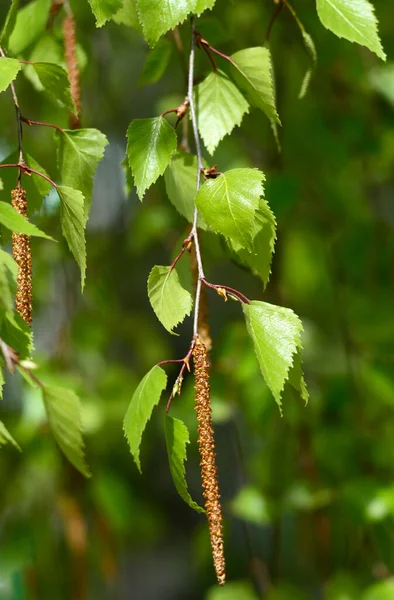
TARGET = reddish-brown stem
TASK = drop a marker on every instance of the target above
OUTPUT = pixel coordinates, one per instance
(228, 58)
(273, 19)
(26, 62)
(185, 246)
(185, 365)
(207, 52)
(28, 170)
(30, 122)
(167, 112)
(170, 361)
(231, 291)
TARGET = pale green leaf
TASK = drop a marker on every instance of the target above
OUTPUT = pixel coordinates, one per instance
(229, 202)
(252, 72)
(9, 69)
(73, 221)
(150, 145)
(276, 335)
(8, 275)
(259, 257)
(177, 438)
(180, 179)
(233, 590)
(353, 20)
(128, 15)
(17, 334)
(6, 437)
(159, 16)
(382, 590)
(64, 416)
(170, 301)
(220, 107)
(296, 378)
(104, 10)
(79, 152)
(202, 5)
(56, 83)
(145, 398)
(156, 63)
(17, 223)
(311, 50)
(9, 23)
(381, 79)
(250, 505)
(7, 260)
(31, 21)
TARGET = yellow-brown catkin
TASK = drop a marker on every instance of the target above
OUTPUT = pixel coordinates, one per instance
(206, 445)
(22, 255)
(70, 44)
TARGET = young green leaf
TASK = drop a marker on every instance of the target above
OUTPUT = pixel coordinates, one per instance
(259, 258)
(177, 438)
(311, 50)
(55, 82)
(36, 187)
(229, 202)
(72, 217)
(104, 10)
(9, 69)
(156, 63)
(220, 107)
(252, 72)
(128, 15)
(8, 275)
(151, 142)
(6, 437)
(79, 152)
(202, 5)
(64, 415)
(180, 180)
(276, 335)
(10, 21)
(31, 21)
(145, 398)
(159, 16)
(17, 223)
(170, 301)
(353, 20)
(17, 334)
(296, 377)
(235, 590)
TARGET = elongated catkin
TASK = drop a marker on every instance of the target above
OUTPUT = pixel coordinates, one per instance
(206, 445)
(21, 252)
(70, 47)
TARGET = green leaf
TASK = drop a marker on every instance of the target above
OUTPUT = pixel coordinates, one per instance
(2, 379)
(36, 187)
(6, 437)
(276, 335)
(156, 63)
(229, 202)
(159, 16)
(383, 590)
(104, 10)
(17, 223)
(17, 334)
(150, 145)
(252, 72)
(8, 275)
(9, 69)
(9, 22)
(64, 415)
(31, 22)
(259, 258)
(233, 590)
(177, 438)
(250, 505)
(202, 5)
(353, 20)
(145, 398)
(73, 221)
(55, 82)
(170, 301)
(311, 50)
(180, 179)
(220, 107)
(128, 15)
(79, 152)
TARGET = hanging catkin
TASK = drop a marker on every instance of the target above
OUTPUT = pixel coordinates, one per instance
(70, 44)
(22, 255)
(206, 445)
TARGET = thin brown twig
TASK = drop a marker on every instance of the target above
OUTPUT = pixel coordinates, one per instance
(42, 124)
(273, 19)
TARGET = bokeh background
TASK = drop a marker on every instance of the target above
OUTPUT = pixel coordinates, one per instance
(309, 497)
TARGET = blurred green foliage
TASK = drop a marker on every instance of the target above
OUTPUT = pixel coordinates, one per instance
(308, 498)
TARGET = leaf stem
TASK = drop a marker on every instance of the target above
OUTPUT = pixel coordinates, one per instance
(194, 231)
(22, 166)
(273, 19)
(231, 291)
(30, 122)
